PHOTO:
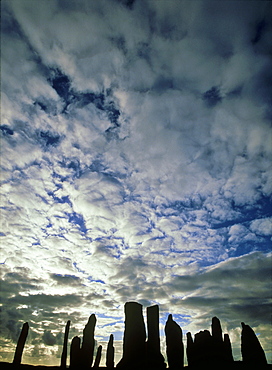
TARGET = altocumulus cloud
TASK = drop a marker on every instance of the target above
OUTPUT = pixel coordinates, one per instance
(136, 165)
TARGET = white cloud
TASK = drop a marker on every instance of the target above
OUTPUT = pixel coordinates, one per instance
(262, 226)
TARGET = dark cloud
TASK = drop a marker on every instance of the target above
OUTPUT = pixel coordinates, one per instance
(61, 84)
(68, 280)
(48, 338)
(14, 329)
(6, 130)
(259, 31)
(127, 3)
(49, 138)
(212, 96)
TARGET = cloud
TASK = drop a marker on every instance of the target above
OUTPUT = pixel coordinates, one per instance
(48, 338)
(136, 146)
(262, 226)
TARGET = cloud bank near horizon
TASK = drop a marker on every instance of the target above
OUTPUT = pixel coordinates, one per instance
(136, 165)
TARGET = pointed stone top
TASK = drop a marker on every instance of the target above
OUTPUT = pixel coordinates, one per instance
(216, 329)
(92, 318)
(214, 319)
(170, 317)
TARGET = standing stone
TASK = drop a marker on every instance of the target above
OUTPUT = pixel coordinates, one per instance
(134, 338)
(75, 353)
(64, 350)
(87, 349)
(216, 330)
(98, 357)
(209, 350)
(218, 348)
(190, 349)
(20, 344)
(203, 348)
(110, 353)
(252, 351)
(228, 349)
(174, 344)
(154, 357)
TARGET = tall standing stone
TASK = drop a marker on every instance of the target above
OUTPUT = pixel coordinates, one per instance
(190, 349)
(153, 352)
(218, 348)
(216, 330)
(20, 344)
(252, 351)
(64, 350)
(87, 348)
(174, 344)
(134, 338)
(228, 349)
(98, 357)
(75, 353)
(110, 354)
(203, 348)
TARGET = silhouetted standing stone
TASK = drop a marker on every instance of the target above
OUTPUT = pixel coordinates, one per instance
(252, 351)
(209, 350)
(203, 348)
(75, 353)
(87, 348)
(65, 342)
(174, 344)
(20, 344)
(110, 354)
(190, 349)
(216, 329)
(154, 357)
(218, 348)
(134, 337)
(97, 358)
(228, 349)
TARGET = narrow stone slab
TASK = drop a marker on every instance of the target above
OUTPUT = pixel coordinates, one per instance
(134, 338)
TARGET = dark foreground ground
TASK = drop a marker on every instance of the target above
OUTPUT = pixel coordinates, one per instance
(237, 365)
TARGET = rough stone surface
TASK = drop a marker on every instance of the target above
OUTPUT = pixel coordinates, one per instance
(203, 349)
(20, 344)
(216, 330)
(174, 344)
(252, 351)
(64, 350)
(97, 357)
(75, 353)
(87, 349)
(190, 349)
(110, 354)
(154, 358)
(218, 352)
(228, 349)
(134, 338)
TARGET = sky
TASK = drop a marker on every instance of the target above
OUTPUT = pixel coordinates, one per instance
(135, 166)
